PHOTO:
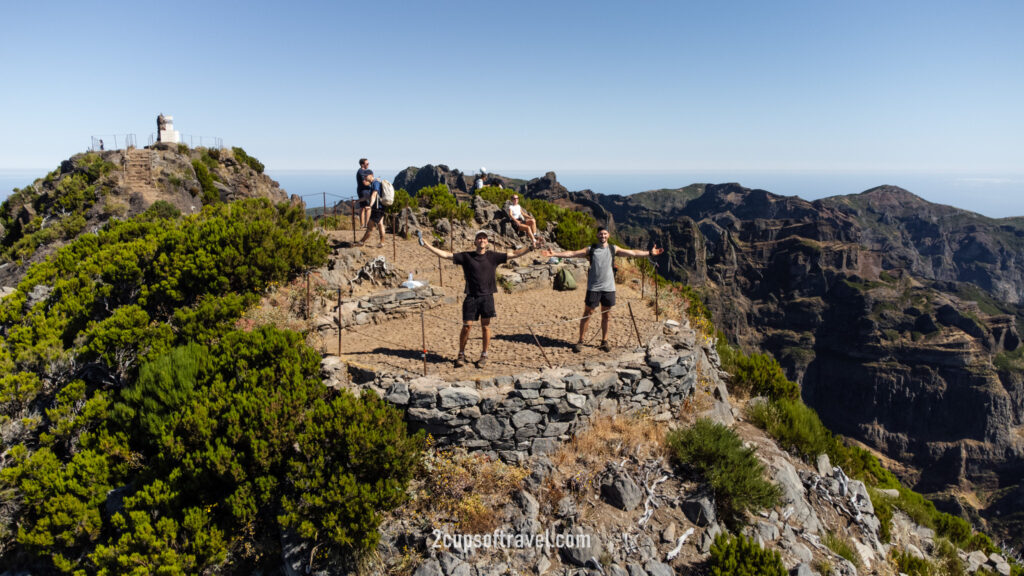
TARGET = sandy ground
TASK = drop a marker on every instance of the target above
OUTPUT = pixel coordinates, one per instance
(524, 319)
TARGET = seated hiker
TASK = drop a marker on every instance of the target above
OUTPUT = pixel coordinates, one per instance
(522, 219)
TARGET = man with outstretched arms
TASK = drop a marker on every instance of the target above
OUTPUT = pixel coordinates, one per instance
(600, 280)
(479, 267)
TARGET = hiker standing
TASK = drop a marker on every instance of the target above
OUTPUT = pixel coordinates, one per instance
(364, 190)
(600, 280)
(376, 206)
(478, 267)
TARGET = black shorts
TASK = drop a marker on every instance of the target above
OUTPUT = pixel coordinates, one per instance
(364, 198)
(476, 307)
(376, 215)
(606, 299)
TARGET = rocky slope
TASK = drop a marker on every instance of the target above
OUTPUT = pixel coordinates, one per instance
(900, 318)
(89, 189)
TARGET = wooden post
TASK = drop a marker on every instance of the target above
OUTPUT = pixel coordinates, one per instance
(423, 331)
(339, 321)
(656, 291)
(325, 205)
(539, 346)
(643, 276)
(440, 271)
(353, 221)
(633, 318)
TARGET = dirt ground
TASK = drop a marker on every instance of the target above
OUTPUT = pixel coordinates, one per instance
(524, 319)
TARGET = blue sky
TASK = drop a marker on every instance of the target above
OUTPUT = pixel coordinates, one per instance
(825, 86)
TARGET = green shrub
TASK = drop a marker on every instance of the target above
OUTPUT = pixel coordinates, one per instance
(402, 201)
(914, 566)
(740, 556)
(576, 230)
(442, 204)
(757, 374)
(796, 427)
(249, 161)
(717, 454)
(162, 209)
(883, 510)
(182, 148)
(210, 193)
(842, 548)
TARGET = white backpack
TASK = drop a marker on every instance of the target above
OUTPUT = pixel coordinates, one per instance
(388, 196)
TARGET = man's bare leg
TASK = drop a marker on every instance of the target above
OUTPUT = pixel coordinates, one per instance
(587, 311)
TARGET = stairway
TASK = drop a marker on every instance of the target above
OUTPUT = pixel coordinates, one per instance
(138, 174)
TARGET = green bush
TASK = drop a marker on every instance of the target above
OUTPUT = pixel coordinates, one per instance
(576, 230)
(883, 510)
(757, 374)
(796, 427)
(210, 193)
(717, 454)
(442, 204)
(842, 547)
(162, 209)
(914, 566)
(249, 161)
(740, 556)
(402, 201)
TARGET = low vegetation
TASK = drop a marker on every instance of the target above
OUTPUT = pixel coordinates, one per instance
(147, 430)
(717, 455)
(741, 556)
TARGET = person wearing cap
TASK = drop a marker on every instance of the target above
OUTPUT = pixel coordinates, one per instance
(522, 219)
(479, 267)
(600, 280)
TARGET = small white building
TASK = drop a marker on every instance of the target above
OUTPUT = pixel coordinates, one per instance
(165, 131)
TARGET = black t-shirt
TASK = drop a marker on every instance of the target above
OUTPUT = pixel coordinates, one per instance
(361, 175)
(479, 270)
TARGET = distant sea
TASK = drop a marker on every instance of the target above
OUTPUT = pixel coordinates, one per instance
(994, 195)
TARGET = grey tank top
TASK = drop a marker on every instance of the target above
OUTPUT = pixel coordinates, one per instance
(601, 277)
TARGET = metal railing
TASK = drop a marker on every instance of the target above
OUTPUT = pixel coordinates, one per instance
(101, 142)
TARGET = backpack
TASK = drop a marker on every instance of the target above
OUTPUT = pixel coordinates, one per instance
(387, 193)
(564, 280)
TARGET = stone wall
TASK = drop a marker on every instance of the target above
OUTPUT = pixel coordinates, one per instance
(380, 306)
(542, 275)
(515, 417)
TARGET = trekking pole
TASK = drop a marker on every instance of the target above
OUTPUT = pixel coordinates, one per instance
(339, 321)
(543, 353)
(633, 318)
(423, 331)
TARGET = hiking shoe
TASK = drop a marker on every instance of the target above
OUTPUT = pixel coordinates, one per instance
(380, 245)
(577, 347)
(605, 346)
(481, 362)
(460, 361)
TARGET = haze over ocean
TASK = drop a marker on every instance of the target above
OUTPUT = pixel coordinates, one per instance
(996, 196)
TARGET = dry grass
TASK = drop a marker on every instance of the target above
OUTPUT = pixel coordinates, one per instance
(464, 489)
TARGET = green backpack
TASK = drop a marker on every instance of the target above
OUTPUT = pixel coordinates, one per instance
(564, 280)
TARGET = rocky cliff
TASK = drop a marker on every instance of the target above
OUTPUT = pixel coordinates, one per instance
(89, 189)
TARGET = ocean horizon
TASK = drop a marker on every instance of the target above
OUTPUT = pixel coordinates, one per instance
(994, 195)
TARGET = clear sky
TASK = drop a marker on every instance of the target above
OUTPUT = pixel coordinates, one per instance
(846, 86)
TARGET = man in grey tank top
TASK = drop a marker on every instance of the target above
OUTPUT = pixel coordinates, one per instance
(600, 280)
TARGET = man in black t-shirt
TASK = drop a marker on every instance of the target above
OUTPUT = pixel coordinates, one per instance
(479, 267)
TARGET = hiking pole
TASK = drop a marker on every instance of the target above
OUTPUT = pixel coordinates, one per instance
(543, 353)
(423, 331)
(633, 318)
